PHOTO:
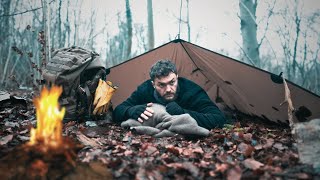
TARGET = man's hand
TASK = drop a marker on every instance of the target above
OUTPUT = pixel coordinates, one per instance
(140, 112)
(174, 109)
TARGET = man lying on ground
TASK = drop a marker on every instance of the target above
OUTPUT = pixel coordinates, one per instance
(178, 95)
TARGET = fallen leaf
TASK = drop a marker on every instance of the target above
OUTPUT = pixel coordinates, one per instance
(23, 138)
(198, 150)
(151, 150)
(128, 153)
(4, 96)
(24, 131)
(252, 164)
(9, 130)
(186, 166)
(222, 167)
(127, 137)
(302, 176)
(4, 140)
(223, 157)
(187, 152)
(258, 147)
(91, 155)
(155, 174)
(212, 173)
(234, 173)
(247, 137)
(269, 143)
(208, 156)
(280, 146)
(12, 124)
(119, 149)
(141, 174)
(245, 149)
(204, 163)
(191, 168)
(173, 150)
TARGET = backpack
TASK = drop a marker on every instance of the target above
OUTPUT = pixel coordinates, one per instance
(78, 71)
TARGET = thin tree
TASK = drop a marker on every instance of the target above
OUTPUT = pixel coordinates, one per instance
(188, 22)
(185, 21)
(46, 27)
(249, 31)
(297, 23)
(76, 14)
(59, 24)
(129, 29)
(150, 25)
(89, 41)
(5, 39)
(67, 34)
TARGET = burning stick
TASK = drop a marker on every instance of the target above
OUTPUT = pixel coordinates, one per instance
(49, 119)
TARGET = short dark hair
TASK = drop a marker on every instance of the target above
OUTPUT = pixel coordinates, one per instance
(162, 68)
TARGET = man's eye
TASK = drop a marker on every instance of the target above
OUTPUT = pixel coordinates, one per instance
(161, 85)
(172, 82)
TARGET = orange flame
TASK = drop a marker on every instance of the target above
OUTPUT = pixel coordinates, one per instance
(49, 118)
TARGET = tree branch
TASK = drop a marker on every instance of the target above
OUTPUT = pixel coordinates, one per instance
(244, 52)
(23, 12)
(267, 26)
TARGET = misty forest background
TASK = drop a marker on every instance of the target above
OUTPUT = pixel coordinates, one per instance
(277, 36)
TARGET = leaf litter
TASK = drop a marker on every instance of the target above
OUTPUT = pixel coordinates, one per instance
(245, 148)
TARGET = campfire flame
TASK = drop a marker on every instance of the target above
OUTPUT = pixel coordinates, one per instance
(49, 118)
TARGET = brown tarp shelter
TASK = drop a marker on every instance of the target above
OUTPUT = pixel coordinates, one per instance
(240, 86)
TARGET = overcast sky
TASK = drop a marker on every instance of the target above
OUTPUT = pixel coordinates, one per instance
(214, 24)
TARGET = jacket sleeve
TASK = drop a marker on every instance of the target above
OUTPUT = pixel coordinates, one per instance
(119, 113)
(205, 112)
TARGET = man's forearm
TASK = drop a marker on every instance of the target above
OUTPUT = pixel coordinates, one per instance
(119, 114)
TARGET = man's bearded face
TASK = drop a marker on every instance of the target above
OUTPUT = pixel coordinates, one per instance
(167, 86)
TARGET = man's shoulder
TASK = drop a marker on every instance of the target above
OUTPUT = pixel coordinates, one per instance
(146, 85)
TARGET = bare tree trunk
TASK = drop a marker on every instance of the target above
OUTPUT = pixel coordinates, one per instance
(188, 22)
(4, 21)
(67, 25)
(37, 57)
(60, 42)
(77, 19)
(5, 39)
(92, 25)
(150, 26)
(76, 27)
(54, 26)
(317, 77)
(129, 29)
(5, 69)
(46, 25)
(294, 58)
(249, 31)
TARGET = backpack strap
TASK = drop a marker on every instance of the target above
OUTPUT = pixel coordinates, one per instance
(89, 98)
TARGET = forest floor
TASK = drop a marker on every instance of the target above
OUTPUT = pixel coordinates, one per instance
(245, 149)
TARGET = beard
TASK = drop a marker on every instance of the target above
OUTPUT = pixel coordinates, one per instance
(164, 100)
(171, 97)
